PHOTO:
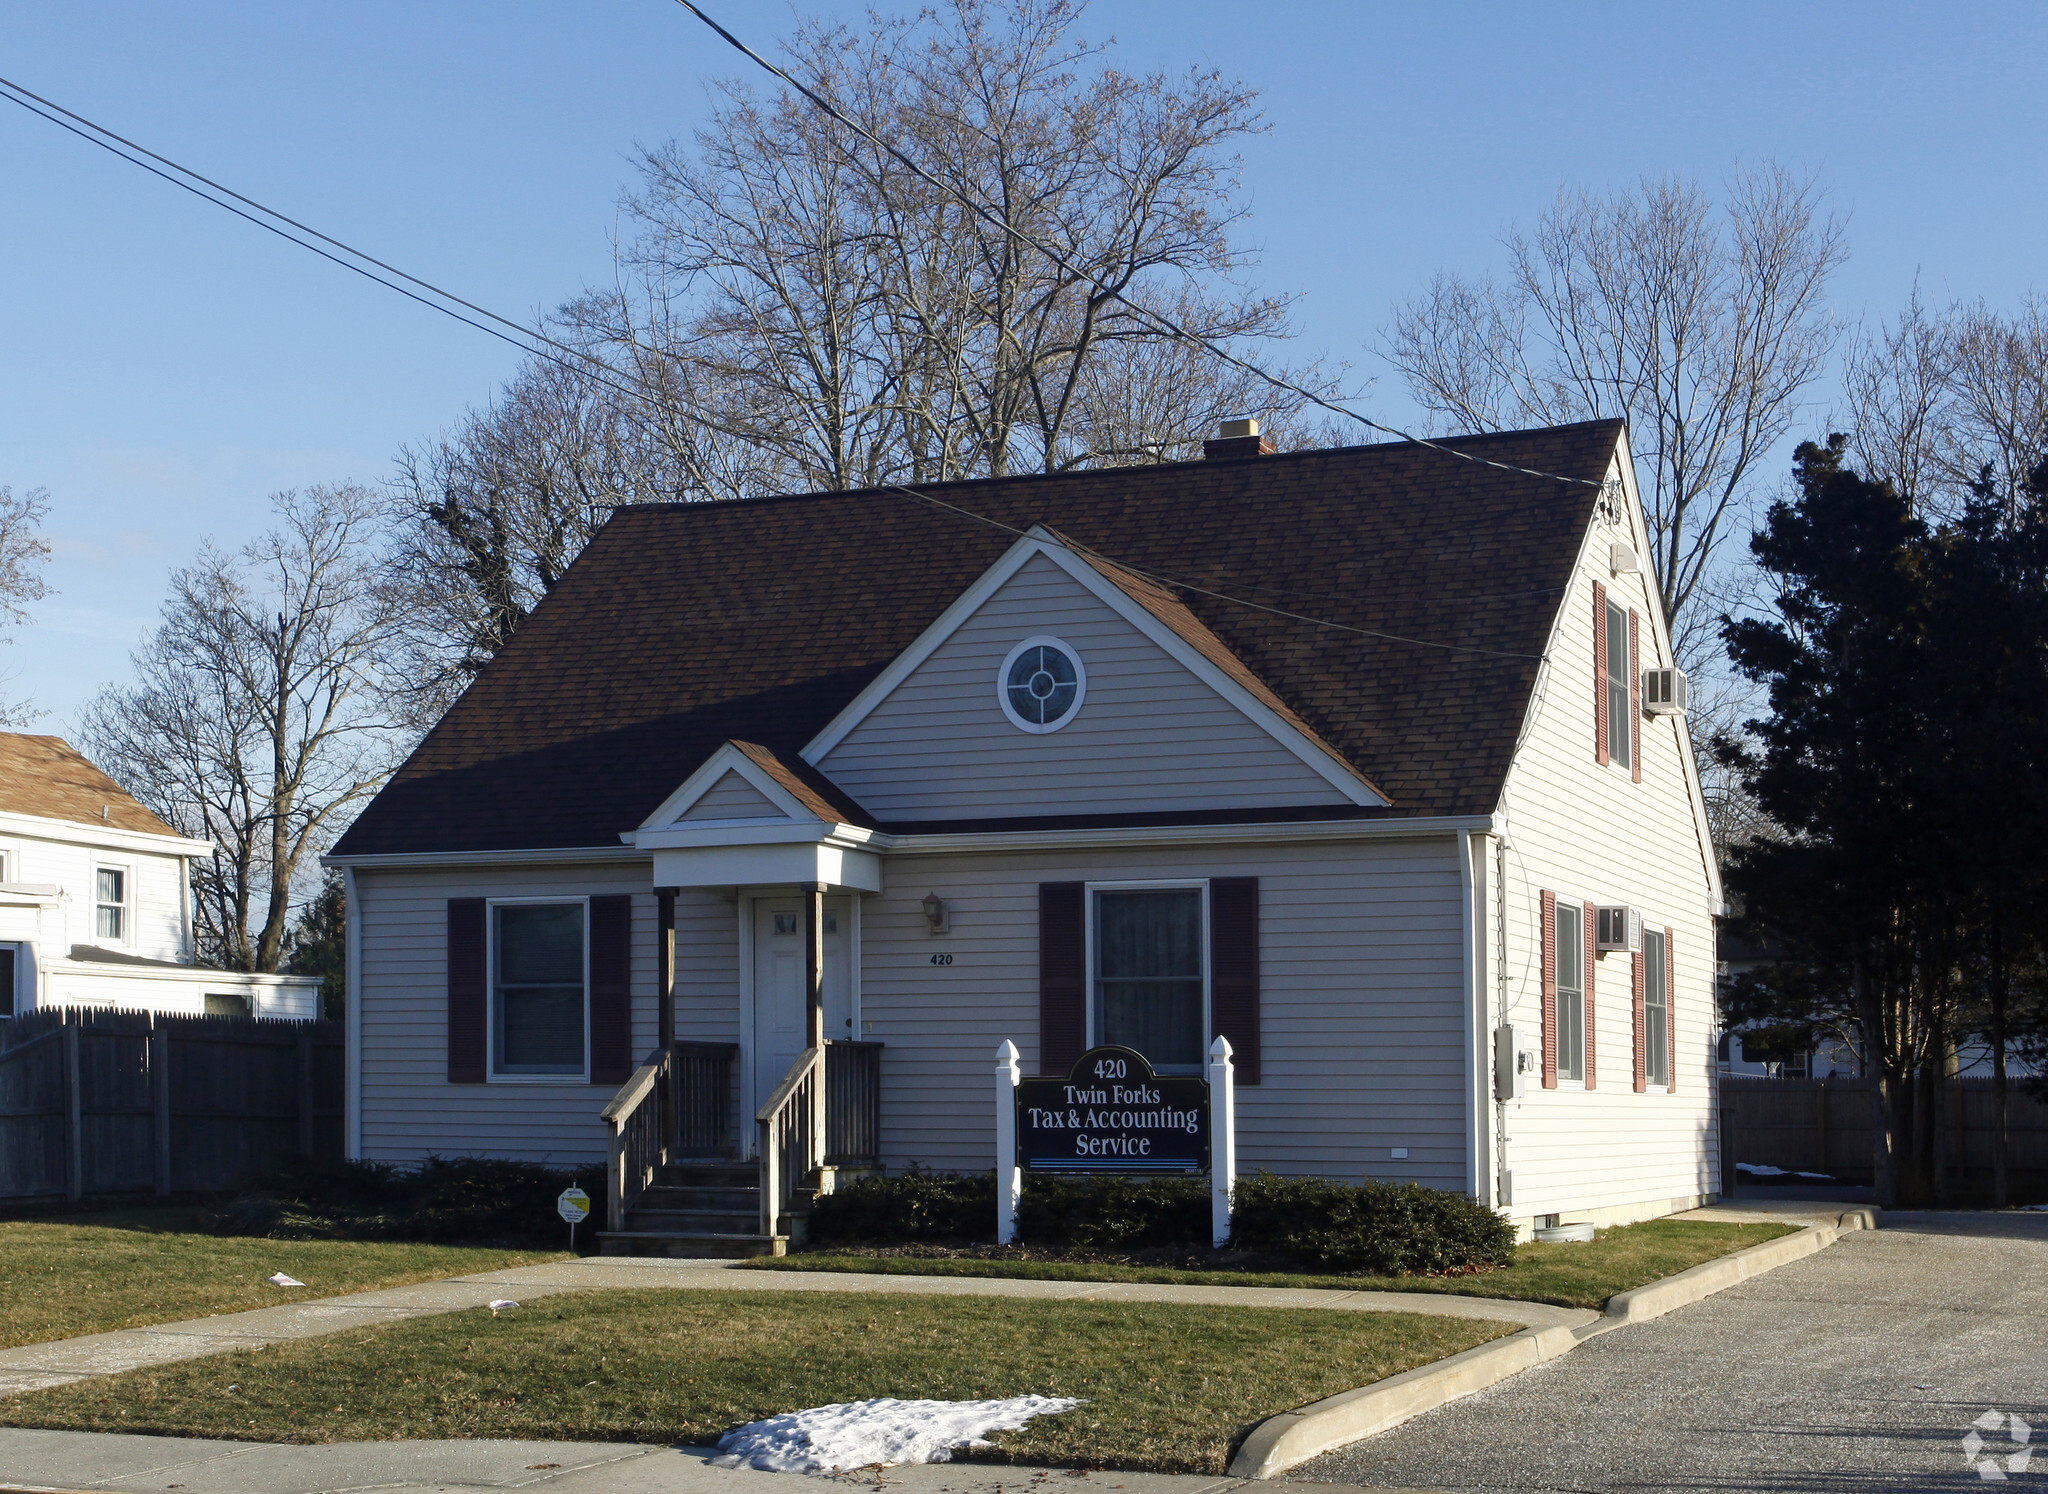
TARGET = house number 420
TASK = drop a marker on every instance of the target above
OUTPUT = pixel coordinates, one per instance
(942, 959)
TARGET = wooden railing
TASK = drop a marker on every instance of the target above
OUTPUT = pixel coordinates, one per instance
(703, 1099)
(792, 1137)
(853, 1104)
(639, 1136)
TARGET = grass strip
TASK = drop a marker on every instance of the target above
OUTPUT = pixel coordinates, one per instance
(1582, 1275)
(94, 1273)
(1170, 1387)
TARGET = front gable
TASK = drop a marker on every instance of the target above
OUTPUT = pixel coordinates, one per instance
(1168, 721)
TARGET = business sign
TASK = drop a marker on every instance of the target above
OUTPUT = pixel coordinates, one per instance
(1113, 1114)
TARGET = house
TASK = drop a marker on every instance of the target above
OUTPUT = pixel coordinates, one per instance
(1343, 755)
(96, 900)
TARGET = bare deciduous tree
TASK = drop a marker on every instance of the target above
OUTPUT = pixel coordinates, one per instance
(1941, 401)
(260, 713)
(796, 309)
(1701, 327)
(23, 552)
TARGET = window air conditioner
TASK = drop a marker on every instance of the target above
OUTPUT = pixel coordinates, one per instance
(1618, 928)
(1664, 692)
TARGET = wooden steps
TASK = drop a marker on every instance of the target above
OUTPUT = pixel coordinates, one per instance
(704, 1209)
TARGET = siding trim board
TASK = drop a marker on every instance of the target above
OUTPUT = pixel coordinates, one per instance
(1549, 905)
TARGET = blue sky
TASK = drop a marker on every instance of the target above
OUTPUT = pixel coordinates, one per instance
(164, 367)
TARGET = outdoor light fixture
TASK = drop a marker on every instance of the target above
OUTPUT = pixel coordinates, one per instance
(937, 915)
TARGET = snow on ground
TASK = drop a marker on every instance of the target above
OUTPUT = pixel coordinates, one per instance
(860, 1434)
(1765, 1170)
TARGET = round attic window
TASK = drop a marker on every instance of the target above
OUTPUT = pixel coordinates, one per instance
(1041, 685)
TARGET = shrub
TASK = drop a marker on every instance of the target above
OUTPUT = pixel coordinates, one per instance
(444, 1198)
(1379, 1229)
(914, 1207)
(1112, 1213)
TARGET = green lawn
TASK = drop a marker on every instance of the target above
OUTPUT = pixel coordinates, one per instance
(1167, 1387)
(1567, 1275)
(92, 1273)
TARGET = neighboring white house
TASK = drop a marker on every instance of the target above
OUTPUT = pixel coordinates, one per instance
(1354, 757)
(95, 900)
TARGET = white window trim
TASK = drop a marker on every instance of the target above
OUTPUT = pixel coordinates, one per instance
(1042, 640)
(1653, 924)
(1567, 899)
(1088, 891)
(127, 904)
(491, 1074)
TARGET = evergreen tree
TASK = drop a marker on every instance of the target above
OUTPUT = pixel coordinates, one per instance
(318, 945)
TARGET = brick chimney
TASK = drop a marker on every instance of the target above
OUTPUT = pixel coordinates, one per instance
(1236, 438)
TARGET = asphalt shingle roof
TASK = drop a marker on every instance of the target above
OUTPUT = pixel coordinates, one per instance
(683, 626)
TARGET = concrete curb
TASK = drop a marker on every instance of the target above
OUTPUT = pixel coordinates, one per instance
(1703, 1280)
(1293, 1437)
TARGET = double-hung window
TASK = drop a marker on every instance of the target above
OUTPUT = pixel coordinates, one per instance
(1620, 714)
(1571, 990)
(1656, 1009)
(110, 903)
(538, 984)
(1150, 983)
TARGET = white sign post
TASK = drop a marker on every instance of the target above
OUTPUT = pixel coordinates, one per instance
(1009, 1179)
(574, 1207)
(1222, 1139)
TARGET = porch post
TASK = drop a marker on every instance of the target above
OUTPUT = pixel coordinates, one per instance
(1009, 1182)
(1222, 1139)
(814, 959)
(665, 1015)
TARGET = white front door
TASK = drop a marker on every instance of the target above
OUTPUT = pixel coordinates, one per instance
(778, 1017)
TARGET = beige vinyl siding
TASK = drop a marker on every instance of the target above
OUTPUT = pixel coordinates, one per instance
(1588, 833)
(732, 798)
(1362, 1017)
(1150, 735)
(409, 1109)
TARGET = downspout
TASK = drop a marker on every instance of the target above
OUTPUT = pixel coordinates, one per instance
(352, 996)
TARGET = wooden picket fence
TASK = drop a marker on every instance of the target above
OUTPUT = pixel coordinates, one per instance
(1824, 1125)
(100, 1101)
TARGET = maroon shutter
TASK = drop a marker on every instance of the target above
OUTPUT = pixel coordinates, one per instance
(1062, 977)
(611, 989)
(466, 966)
(1234, 970)
(1550, 990)
(1671, 1009)
(1642, 1051)
(1592, 958)
(1601, 725)
(1635, 697)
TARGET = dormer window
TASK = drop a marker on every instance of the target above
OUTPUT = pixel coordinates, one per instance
(111, 904)
(1041, 685)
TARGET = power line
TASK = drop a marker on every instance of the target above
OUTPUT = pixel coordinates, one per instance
(1163, 323)
(596, 369)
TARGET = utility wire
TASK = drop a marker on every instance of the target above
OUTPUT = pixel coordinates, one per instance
(1163, 323)
(599, 371)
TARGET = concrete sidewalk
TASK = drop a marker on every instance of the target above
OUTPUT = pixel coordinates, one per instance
(76, 1461)
(39, 1366)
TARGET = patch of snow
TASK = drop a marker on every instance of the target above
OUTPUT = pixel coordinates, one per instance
(861, 1434)
(2035, 1208)
(1765, 1170)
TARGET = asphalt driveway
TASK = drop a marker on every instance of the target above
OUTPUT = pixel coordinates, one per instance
(1859, 1368)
